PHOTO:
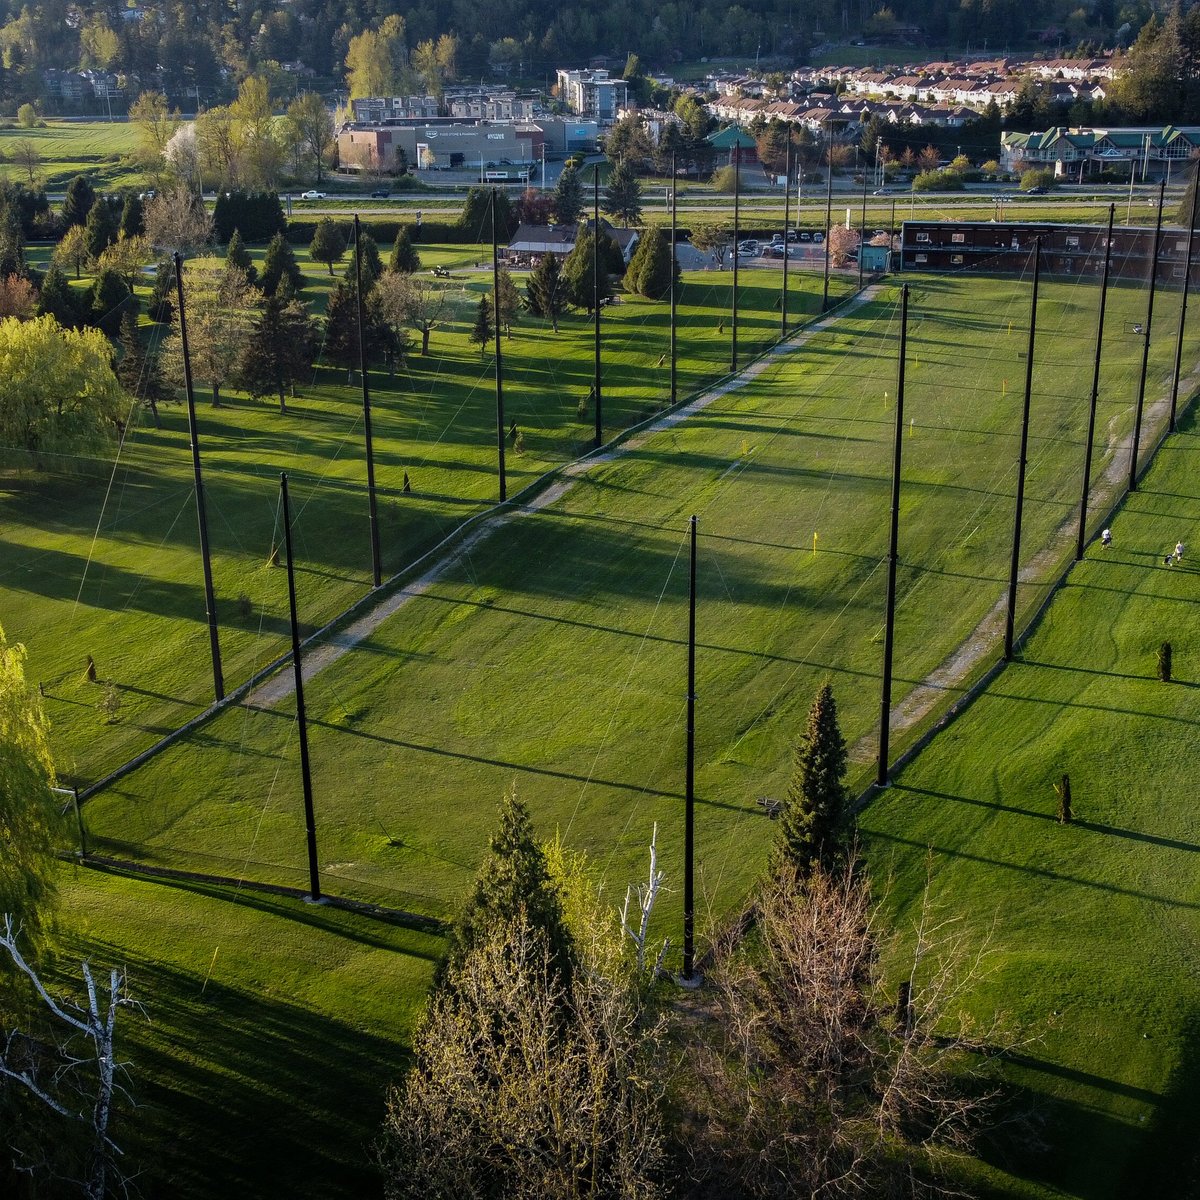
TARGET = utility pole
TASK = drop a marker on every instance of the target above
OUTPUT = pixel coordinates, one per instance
(1141, 395)
(689, 827)
(1187, 286)
(596, 298)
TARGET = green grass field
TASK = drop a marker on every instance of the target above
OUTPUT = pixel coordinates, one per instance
(1093, 925)
(268, 1034)
(95, 149)
(550, 653)
(101, 555)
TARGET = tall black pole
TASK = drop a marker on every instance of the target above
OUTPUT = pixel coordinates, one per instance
(787, 228)
(376, 564)
(210, 601)
(1011, 613)
(1081, 533)
(596, 296)
(499, 362)
(889, 620)
(1141, 396)
(674, 272)
(310, 821)
(689, 798)
(828, 214)
(737, 195)
(862, 232)
(1187, 285)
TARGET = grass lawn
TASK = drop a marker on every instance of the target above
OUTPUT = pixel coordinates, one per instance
(270, 1033)
(94, 149)
(1094, 925)
(551, 653)
(101, 555)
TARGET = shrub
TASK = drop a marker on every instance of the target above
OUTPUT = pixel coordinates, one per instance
(1164, 662)
(938, 181)
(1037, 178)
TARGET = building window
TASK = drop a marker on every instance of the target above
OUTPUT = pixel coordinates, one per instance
(922, 258)
(1073, 242)
(958, 238)
(956, 258)
(922, 237)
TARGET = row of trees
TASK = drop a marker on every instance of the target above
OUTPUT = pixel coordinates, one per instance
(553, 1061)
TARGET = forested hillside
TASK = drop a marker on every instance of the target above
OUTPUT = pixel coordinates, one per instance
(210, 45)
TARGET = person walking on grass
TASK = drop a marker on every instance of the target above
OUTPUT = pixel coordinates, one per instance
(1179, 552)
(1106, 538)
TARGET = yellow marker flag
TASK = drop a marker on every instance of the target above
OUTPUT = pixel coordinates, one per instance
(885, 399)
(814, 541)
(1004, 387)
(910, 427)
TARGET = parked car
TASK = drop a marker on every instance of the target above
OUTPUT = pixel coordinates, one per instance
(380, 194)
(805, 235)
(818, 237)
(749, 246)
(1036, 191)
(312, 195)
(775, 250)
(792, 235)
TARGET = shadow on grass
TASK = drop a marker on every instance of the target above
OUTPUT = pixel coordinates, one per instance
(241, 1094)
(1077, 823)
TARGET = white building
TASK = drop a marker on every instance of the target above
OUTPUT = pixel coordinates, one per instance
(593, 94)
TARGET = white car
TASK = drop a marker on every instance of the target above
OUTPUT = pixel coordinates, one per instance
(312, 195)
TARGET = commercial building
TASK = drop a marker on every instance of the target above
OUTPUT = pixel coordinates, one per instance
(1075, 152)
(429, 146)
(1006, 247)
(531, 242)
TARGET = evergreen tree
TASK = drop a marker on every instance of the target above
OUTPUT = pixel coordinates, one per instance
(341, 329)
(623, 196)
(372, 263)
(508, 301)
(238, 256)
(59, 300)
(481, 334)
(101, 227)
(652, 266)
(476, 215)
(78, 201)
(567, 202)
(12, 247)
(111, 299)
(133, 217)
(280, 264)
(548, 292)
(577, 270)
(328, 244)
(512, 883)
(138, 372)
(161, 307)
(815, 825)
(405, 258)
(279, 352)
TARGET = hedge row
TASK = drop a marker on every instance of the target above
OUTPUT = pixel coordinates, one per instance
(300, 232)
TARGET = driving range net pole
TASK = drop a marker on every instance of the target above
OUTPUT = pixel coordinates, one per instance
(372, 505)
(1081, 532)
(310, 822)
(1014, 566)
(499, 360)
(1141, 395)
(210, 600)
(889, 621)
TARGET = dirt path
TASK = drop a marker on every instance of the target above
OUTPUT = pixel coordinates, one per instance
(985, 637)
(316, 660)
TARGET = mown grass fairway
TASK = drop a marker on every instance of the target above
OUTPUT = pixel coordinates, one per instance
(550, 653)
(98, 150)
(1093, 925)
(101, 557)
